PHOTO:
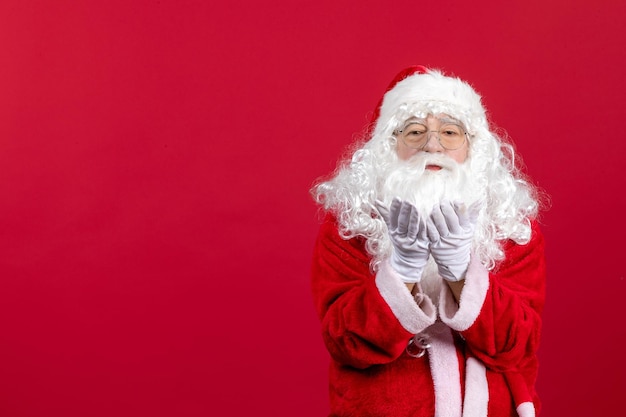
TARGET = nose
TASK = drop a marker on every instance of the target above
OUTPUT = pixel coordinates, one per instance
(432, 142)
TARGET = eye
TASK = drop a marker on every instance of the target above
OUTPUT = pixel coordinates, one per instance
(451, 130)
(415, 130)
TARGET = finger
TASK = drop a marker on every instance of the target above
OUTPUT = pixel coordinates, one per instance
(431, 231)
(456, 216)
(462, 213)
(404, 217)
(439, 221)
(422, 231)
(413, 225)
(394, 212)
(467, 215)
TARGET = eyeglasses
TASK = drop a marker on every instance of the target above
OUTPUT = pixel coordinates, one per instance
(451, 136)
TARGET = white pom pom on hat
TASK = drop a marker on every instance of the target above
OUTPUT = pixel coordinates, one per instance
(418, 90)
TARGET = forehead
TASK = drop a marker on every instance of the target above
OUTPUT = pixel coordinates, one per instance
(433, 118)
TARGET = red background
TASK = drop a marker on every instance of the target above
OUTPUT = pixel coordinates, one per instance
(156, 156)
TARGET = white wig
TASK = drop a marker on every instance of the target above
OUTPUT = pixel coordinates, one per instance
(508, 200)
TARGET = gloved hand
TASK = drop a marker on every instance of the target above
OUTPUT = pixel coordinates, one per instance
(407, 231)
(451, 231)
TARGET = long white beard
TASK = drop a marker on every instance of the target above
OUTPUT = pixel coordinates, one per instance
(412, 182)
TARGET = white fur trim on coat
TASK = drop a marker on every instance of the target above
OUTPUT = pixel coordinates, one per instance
(476, 389)
(414, 313)
(462, 315)
(444, 368)
(526, 409)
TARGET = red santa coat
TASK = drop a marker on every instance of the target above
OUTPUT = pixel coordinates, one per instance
(482, 356)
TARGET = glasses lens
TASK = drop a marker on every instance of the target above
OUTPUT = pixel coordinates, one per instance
(415, 135)
(451, 136)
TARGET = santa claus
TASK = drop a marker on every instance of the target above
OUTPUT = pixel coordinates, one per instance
(428, 272)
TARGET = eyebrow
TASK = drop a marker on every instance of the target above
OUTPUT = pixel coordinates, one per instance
(450, 120)
(414, 120)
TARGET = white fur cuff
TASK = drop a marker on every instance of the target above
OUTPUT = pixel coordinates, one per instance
(415, 314)
(462, 315)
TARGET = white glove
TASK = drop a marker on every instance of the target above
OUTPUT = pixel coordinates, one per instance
(451, 231)
(408, 235)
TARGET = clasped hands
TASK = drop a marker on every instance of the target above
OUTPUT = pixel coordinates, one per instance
(446, 234)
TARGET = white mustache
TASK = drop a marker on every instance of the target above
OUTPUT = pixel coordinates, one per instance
(421, 160)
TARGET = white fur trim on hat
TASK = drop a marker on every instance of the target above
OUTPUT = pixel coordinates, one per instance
(431, 93)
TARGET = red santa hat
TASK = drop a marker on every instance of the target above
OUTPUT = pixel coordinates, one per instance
(417, 91)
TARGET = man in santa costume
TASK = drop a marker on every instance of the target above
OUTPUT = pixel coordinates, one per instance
(428, 273)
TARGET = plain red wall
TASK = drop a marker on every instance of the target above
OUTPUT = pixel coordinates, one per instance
(155, 161)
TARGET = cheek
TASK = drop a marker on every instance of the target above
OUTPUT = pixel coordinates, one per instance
(459, 155)
(405, 153)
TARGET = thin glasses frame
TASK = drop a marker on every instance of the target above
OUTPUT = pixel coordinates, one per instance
(438, 133)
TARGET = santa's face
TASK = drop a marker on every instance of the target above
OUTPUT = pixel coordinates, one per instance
(431, 166)
(432, 125)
